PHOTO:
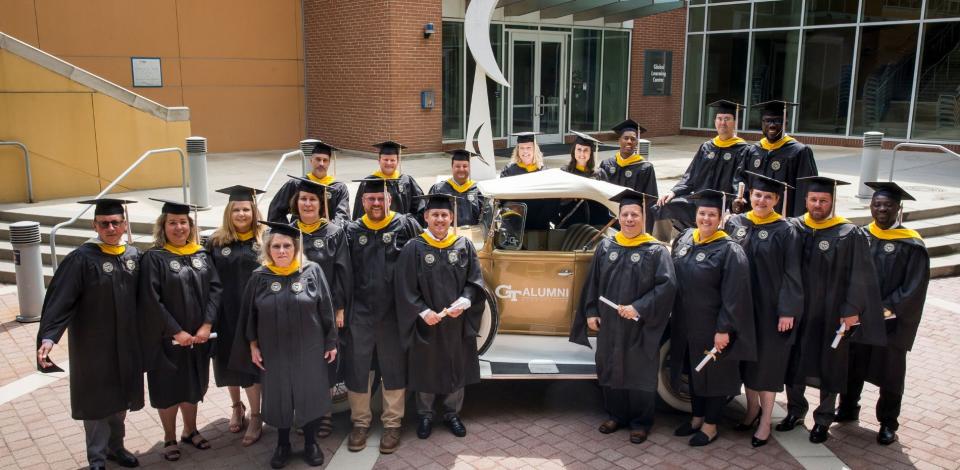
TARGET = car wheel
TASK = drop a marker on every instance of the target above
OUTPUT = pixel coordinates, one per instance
(489, 323)
(676, 399)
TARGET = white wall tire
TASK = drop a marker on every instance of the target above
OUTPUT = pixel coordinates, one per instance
(678, 400)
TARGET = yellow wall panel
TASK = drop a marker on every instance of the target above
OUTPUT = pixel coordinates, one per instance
(18, 20)
(108, 27)
(167, 96)
(260, 117)
(241, 72)
(240, 29)
(20, 75)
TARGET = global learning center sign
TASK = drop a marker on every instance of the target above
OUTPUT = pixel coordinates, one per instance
(657, 66)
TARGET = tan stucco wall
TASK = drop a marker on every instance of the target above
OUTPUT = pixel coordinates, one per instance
(79, 139)
(237, 64)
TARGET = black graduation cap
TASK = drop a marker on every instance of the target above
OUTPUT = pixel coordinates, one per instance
(710, 198)
(462, 155)
(373, 184)
(525, 137)
(822, 184)
(108, 206)
(630, 196)
(241, 193)
(765, 183)
(889, 189)
(628, 125)
(323, 147)
(726, 107)
(389, 147)
(439, 201)
(584, 139)
(309, 186)
(174, 207)
(774, 107)
(290, 230)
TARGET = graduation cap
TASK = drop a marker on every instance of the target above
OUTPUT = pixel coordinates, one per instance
(823, 184)
(241, 193)
(628, 125)
(175, 207)
(439, 201)
(290, 230)
(774, 108)
(525, 137)
(389, 147)
(462, 155)
(889, 189)
(108, 206)
(629, 197)
(584, 139)
(373, 184)
(323, 147)
(769, 185)
(710, 198)
(727, 107)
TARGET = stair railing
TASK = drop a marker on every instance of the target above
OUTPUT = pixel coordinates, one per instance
(26, 163)
(148, 153)
(276, 169)
(941, 148)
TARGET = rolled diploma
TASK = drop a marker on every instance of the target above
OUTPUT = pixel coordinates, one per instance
(706, 359)
(839, 336)
(457, 304)
(212, 336)
(615, 306)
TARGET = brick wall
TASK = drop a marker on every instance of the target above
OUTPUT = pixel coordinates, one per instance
(366, 62)
(660, 115)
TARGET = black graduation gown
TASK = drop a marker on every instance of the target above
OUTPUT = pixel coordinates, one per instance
(712, 167)
(773, 251)
(234, 264)
(291, 318)
(338, 203)
(94, 296)
(469, 206)
(372, 331)
(588, 212)
(788, 163)
(177, 293)
(402, 196)
(711, 298)
(441, 358)
(838, 281)
(639, 176)
(903, 272)
(628, 352)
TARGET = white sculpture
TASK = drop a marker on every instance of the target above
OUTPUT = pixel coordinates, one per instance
(479, 126)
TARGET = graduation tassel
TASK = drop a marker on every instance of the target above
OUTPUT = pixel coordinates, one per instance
(300, 254)
(456, 226)
(833, 205)
(126, 217)
(326, 205)
(643, 214)
(725, 213)
(786, 198)
(333, 156)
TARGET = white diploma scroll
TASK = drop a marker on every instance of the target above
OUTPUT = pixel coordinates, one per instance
(840, 332)
(615, 306)
(212, 336)
(706, 359)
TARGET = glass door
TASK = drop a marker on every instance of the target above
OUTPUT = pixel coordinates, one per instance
(538, 75)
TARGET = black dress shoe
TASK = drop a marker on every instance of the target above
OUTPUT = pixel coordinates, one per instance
(844, 415)
(742, 427)
(456, 426)
(280, 457)
(757, 442)
(886, 436)
(818, 434)
(312, 455)
(685, 430)
(123, 458)
(425, 427)
(789, 422)
(701, 439)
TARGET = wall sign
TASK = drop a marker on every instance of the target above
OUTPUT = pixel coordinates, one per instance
(146, 72)
(657, 68)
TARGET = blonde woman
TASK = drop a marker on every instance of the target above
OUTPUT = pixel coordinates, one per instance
(235, 249)
(288, 323)
(526, 157)
(178, 298)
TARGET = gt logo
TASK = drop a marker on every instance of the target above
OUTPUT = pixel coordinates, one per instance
(506, 291)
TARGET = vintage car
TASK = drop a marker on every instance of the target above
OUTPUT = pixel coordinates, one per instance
(534, 263)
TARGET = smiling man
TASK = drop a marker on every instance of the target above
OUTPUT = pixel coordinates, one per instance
(469, 199)
(403, 189)
(338, 196)
(630, 169)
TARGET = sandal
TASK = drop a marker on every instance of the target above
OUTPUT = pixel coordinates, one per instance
(237, 418)
(253, 430)
(324, 426)
(202, 444)
(171, 451)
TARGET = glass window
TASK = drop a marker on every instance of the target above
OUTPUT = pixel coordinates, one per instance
(832, 11)
(888, 10)
(943, 9)
(691, 82)
(452, 86)
(777, 14)
(616, 63)
(494, 90)
(937, 113)
(695, 21)
(729, 17)
(825, 80)
(585, 82)
(522, 83)
(726, 71)
(774, 70)
(885, 79)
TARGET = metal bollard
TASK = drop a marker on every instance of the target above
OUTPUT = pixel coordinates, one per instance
(643, 148)
(25, 238)
(869, 162)
(197, 157)
(306, 146)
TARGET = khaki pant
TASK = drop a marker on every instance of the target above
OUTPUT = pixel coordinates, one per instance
(393, 406)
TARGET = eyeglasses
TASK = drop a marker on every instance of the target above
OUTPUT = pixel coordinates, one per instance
(773, 121)
(109, 223)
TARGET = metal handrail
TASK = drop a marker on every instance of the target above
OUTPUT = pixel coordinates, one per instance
(26, 162)
(276, 168)
(183, 183)
(893, 160)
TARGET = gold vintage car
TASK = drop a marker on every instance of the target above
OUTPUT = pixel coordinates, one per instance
(534, 271)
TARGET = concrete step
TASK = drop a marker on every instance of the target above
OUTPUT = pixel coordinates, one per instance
(6, 250)
(943, 245)
(8, 274)
(945, 225)
(70, 236)
(945, 266)
(48, 221)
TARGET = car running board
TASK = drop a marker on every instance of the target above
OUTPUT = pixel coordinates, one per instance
(514, 356)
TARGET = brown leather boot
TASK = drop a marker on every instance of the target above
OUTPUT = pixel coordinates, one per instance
(357, 440)
(390, 440)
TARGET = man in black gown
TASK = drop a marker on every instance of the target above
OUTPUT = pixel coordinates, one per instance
(338, 196)
(903, 271)
(404, 188)
(94, 293)
(630, 169)
(840, 289)
(470, 202)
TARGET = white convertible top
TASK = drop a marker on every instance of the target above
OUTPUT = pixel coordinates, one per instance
(551, 184)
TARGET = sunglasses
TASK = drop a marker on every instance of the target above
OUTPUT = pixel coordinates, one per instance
(109, 223)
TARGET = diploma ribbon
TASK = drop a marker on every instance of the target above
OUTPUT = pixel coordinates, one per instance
(212, 336)
(711, 354)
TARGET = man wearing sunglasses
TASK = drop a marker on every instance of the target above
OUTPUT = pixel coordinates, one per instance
(780, 157)
(94, 294)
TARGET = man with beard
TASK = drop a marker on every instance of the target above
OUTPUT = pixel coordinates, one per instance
(337, 203)
(470, 201)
